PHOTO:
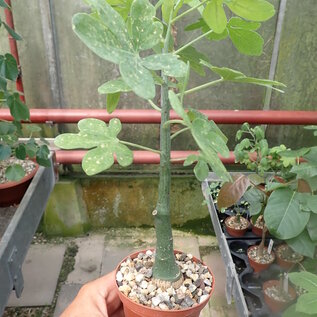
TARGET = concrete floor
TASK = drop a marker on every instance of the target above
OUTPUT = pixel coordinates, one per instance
(98, 254)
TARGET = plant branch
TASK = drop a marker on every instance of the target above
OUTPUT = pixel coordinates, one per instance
(212, 83)
(140, 147)
(179, 132)
(193, 41)
(153, 105)
(188, 11)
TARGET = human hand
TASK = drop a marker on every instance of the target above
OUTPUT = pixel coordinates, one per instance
(96, 299)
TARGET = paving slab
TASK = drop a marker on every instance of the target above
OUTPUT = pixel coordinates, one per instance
(40, 270)
(67, 294)
(88, 259)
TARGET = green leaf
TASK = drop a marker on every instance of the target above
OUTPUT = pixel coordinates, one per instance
(294, 153)
(20, 152)
(190, 159)
(305, 280)
(177, 106)
(243, 24)
(169, 63)
(112, 101)
(292, 312)
(14, 172)
(312, 227)
(283, 215)
(231, 192)
(3, 84)
(302, 244)
(253, 10)
(167, 7)
(191, 55)
(113, 86)
(145, 32)
(207, 139)
(201, 170)
(256, 200)
(307, 303)
(5, 151)
(246, 41)
(8, 67)
(305, 170)
(103, 42)
(236, 76)
(42, 155)
(18, 109)
(121, 6)
(264, 147)
(3, 4)
(7, 128)
(15, 35)
(311, 155)
(33, 128)
(312, 203)
(31, 148)
(215, 16)
(138, 78)
(124, 155)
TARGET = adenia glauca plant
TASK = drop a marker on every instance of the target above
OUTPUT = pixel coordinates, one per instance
(285, 196)
(11, 131)
(119, 32)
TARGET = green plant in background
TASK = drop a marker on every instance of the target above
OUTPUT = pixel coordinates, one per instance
(287, 197)
(306, 304)
(11, 131)
(120, 32)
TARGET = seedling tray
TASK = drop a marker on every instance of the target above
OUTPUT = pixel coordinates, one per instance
(243, 285)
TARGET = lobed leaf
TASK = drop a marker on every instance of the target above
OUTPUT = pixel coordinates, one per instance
(14, 172)
(113, 86)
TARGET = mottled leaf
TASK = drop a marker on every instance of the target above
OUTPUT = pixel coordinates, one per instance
(169, 63)
(177, 106)
(146, 32)
(201, 170)
(138, 77)
(14, 172)
(113, 86)
(190, 159)
(124, 155)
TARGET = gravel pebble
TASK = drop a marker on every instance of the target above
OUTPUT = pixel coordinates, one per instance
(135, 280)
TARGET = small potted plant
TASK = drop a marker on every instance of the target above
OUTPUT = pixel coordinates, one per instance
(161, 282)
(236, 225)
(17, 159)
(286, 257)
(277, 294)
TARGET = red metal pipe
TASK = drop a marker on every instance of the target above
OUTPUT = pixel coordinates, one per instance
(139, 157)
(14, 48)
(153, 116)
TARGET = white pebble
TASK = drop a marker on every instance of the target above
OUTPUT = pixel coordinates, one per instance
(156, 300)
(119, 277)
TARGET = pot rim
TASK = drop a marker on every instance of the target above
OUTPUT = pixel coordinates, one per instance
(227, 219)
(21, 181)
(255, 246)
(268, 283)
(133, 255)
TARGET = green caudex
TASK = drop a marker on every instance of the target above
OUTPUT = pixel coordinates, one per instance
(118, 32)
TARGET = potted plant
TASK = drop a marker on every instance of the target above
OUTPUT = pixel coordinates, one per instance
(236, 225)
(120, 34)
(17, 166)
(278, 294)
(286, 257)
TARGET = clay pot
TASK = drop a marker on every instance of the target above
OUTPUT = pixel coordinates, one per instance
(257, 231)
(234, 232)
(133, 309)
(258, 267)
(275, 305)
(283, 262)
(11, 193)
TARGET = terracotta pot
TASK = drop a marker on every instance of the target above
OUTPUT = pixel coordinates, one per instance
(236, 232)
(284, 263)
(133, 309)
(11, 193)
(258, 267)
(257, 231)
(275, 305)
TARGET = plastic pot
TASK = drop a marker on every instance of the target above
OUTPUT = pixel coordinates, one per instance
(275, 305)
(133, 309)
(258, 267)
(283, 262)
(11, 193)
(233, 231)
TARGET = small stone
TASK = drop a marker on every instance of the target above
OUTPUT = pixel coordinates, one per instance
(189, 273)
(139, 278)
(192, 288)
(163, 306)
(138, 266)
(207, 282)
(130, 277)
(190, 256)
(189, 302)
(151, 287)
(149, 253)
(148, 264)
(140, 256)
(144, 284)
(169, 304)
(188, 282)
(164, 297)
(119, 277)
(182, 257)
(148, 273)
(171, 291)
(156, 301)
(208, 289)
(194, 277)
(203, 298)
(125, 289)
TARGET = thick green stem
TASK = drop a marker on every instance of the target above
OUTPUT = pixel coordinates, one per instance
(165, 267)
